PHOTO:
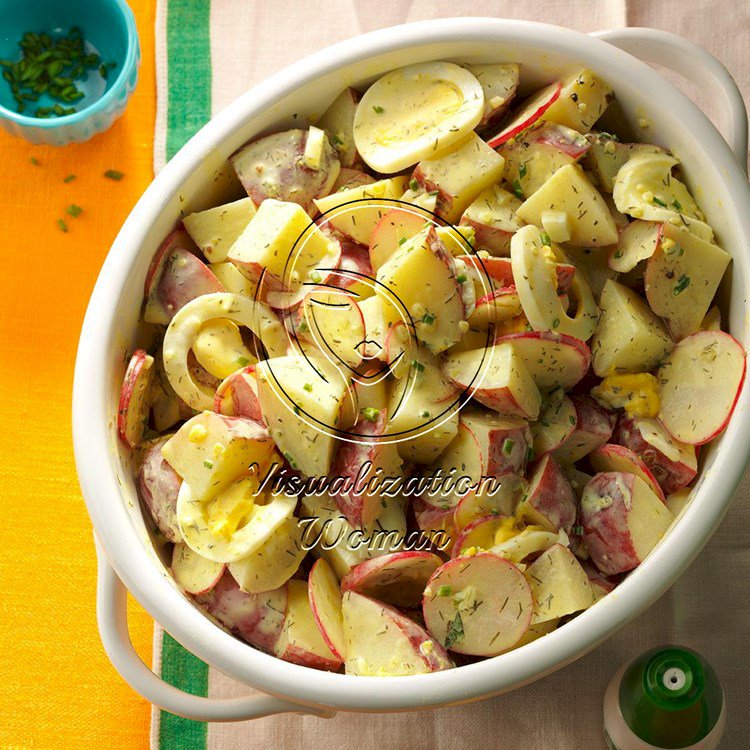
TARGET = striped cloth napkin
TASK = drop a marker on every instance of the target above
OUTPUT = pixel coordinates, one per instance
(208, 53)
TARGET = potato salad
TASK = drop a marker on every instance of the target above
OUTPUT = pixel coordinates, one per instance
(438, 376)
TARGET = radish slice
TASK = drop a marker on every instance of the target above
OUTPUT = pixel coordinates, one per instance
(398, 578)
(132, 412)
(612, 457)
(478, 605)
(380, 641)
(553, 359)
(194, 573)
(533, 108)
(325, 600)
(700, 384)
(412, 112)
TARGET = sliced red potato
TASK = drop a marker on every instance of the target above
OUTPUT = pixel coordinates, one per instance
(570, 193)
(582, 101)
(363, 455)
(559, 584)
(303, 399)
(497, 378)
(215, 230)
(158, 487)
(553, 359)
(332, 320)
(210, 451)
(499, 82)
(508, 490)
(392, 231)
(682, 277)
(529, 112)
(594, 426)
(481, 533)
(422, 275)
(256, 618)
(459, 175)
(612, 457)
(325, 596)
(194, 573)
(281, 166)
(356, 211)
(535, 281)
(672, 463)
(133, 409)
(606, 156)
(435, 523)
(495, 307)
(354, 272)
(601, 585)
(503, 442)
(532, 158)
(237, 395)
(234, 523)
(274, 563)
(398, 578)
(478, 605)
(700, 384)
(300, 641)
(166, 407)
(351, 178)
(410, 113)
(382, 642)
(550, 501)
(628, 338)
(623, 520)
(557, 421)
(338, 123)
(492, 216)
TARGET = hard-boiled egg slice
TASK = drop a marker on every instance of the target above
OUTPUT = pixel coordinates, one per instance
(410, 113)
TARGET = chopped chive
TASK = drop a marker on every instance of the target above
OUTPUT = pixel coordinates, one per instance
(34, 161)
(417, 365)
(545, 238)
(69, 178)
(113, 174)
(682, 284)
(677, 204)
(378, 109)
(73, 210)
(63, 226)
(461, 278)
(517, 189)
(445, 591)
(402, 240)
(428, 319)
(413, 184)
(208, 464)
(659, 202)
(371, 414)
(508, 446)
(242, 361)
(308, 387)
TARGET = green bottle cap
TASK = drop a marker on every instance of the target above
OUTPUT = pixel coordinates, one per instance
(670, 697)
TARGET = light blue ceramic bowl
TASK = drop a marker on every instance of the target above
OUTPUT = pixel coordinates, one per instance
(109, 27)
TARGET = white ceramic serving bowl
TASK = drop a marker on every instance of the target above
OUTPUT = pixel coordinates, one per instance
(128, 558)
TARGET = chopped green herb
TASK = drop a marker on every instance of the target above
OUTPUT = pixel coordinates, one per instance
(303, 327)
(544, 237)
(677, 204)
(428, 319)
(682, 284)
(370, 413)
(413, 184)
(308, 387)
(208, 464)
(337, 141)
(73, 210)
(62, 225)
(113, 174)
(34, 161)
(378, 109)
(517, 189)
(508, 446)
(659, 202)
(445, 591)
(402, 240)
(316, 277)
(69, 178)
(455, 631)
(522, 171)
(417, 365)
(242, 361)
(556, 323)
(424, 414)
(461, 278)
(290, 460)
(577, 530)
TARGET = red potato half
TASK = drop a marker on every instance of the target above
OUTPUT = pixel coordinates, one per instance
(550, 501)
(612, 457)
(497, 378)
(437, 524)
(553, 359)
(637, 242)
(279, 166)
(158, 488)
(594, 426)
(256, 618)
(479, 605)
(700, 384)
(531, 110)
(194, 574)
(503, 442)
(557, 421)
(237, 395)
(398, 578)
(499, 82)
(672, 463)
(495, 307)
(325, 597)
(300, 641)
(622, 519)
(382, 642)
(392, 231)
(133, 409)
(601, 585)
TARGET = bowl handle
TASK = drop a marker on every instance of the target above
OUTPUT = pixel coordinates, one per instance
(111, 606)
(697, 66)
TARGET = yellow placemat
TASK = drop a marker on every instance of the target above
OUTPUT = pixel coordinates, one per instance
(57, 688)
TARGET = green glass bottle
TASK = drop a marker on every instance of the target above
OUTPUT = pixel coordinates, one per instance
(669, 697)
